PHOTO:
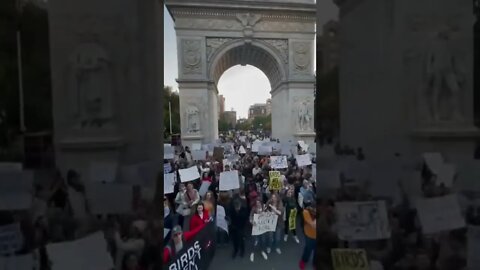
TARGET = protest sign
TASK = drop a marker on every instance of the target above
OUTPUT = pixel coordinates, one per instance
(168, 152)
(473, 247)
(303, 160)
(349, 259)
(249, 146)
(189, 174)
(86, 253)
(264, 222)
(199, 154)
(434, 161)
(204, 188)
(275, 182)
(11, 166)
(218, 153)
(256, 146)
(109, 198)
(362, 220)
(220, 218)
(292, 219)
(229, 180)
(440, 214)
(103, 171)
(11, 239)
(265, 150)
(196, 253)
(168, 183)
(278, 162)
(242, 150)
(303, 145)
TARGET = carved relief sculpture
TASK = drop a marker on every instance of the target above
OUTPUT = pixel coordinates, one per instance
(301, 57)
(213, 44)
(248, 21)
(192, 57)
(92, 85)
(281, 45)
(193, 119)
(304, 115)
(443, 81)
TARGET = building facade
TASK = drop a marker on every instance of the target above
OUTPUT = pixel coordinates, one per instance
(259, 109)
(221, 105)
(328, 47)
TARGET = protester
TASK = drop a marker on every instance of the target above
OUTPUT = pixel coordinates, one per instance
(200, 217)
(260, 242)
(275, 206)
(179, 239)
(238, 216)
(310, 229)
(290, 207)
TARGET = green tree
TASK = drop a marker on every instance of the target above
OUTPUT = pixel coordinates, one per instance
(263, 122)
(223, 126)
(170, 96)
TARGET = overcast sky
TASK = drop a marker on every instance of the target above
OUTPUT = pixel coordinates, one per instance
(241, 86)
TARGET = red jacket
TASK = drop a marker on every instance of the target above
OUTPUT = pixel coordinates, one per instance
(187, 237)
(197, 221)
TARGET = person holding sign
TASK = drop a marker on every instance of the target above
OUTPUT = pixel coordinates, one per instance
(179, 239)
(275, 206)
(290, 215)
(259, 241)
(310, 229)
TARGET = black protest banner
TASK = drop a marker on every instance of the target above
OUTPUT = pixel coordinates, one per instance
(198, 252)
(349, 259)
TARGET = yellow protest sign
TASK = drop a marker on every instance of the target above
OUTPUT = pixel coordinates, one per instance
(349, 259)
(275, 180)
(292, 219)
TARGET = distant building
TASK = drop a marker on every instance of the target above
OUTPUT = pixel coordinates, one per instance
(259, 109)
(221, 105)
(269, 106)
(230, 117)
(328, 47)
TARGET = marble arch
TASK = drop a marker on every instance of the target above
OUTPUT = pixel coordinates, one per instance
(276, 36)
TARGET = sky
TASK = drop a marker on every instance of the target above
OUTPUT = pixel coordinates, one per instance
(241, 86)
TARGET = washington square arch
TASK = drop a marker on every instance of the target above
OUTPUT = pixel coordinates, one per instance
(276, 36)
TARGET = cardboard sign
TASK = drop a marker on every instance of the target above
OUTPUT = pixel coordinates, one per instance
(11, 239)
(349, 259)
(189, 174)
(275, 182)
(264, 222)
(292, 219)
(86, 253)
(109, 198)
(218, 153)
(197, 253)
(168, 152)
(440, 214)
(168, 183)
(229, 180)
(278, 162)
(362, 220)
(303, 160)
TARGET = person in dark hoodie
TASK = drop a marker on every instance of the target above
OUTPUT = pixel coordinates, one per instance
(238, 216)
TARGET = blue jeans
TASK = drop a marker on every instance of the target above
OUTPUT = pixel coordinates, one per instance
(275, 238)
(259, 242)
(310, 247)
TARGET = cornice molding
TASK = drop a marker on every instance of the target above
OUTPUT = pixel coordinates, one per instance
(269, 15)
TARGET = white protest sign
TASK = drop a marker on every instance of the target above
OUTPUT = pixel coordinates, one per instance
(256, 146)
(87, 253)
(286, 149)
(303, 160)
(199, 154)
(103, 171)
(165, 233)
(220, 220)
(11, 166)
(11, 239)
(167, 168)
(204, 188)
(264, 222)
(168, 152)
(242, 150)
(189, 174)
(278, 162)
(109, 198)
(229, 180)
(434, 161)
(303, 145)
(473, 247)
(196, 146)
(249, 146)
(359, 221)
(242, 138)
(168, 183)
(446, 174)
(440, 214)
